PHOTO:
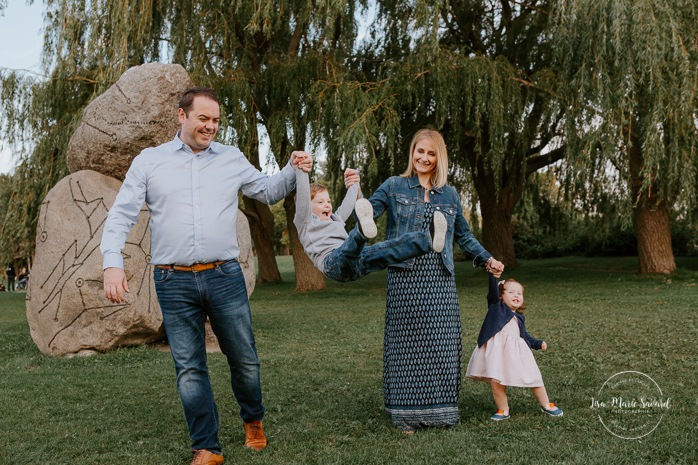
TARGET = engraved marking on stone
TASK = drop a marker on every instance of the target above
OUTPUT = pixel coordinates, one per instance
(128, 100)
(112, 136)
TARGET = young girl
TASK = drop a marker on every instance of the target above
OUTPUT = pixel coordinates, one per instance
(345, 257)
(503, 353)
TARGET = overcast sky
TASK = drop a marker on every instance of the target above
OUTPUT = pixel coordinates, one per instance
(21, 37)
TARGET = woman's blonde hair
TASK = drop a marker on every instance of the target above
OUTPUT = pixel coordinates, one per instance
(439, 176)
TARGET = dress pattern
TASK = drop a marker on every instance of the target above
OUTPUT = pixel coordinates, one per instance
(422, 343)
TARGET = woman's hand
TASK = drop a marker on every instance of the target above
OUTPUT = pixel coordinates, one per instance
(495, 267)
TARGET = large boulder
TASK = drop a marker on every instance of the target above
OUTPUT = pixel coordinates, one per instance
(66, 308)
(137, 112)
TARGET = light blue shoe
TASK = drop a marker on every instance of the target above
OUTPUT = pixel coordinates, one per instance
(552, 410)
(499, 415)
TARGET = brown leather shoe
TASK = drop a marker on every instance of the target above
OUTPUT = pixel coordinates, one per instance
(204, 457)
(254, 435)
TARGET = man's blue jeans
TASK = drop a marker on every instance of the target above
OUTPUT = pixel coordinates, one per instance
(186, 298)
(353, 260)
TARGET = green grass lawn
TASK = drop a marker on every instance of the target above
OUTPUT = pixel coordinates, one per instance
(321, 377)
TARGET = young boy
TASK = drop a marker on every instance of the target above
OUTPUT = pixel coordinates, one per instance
(344, 257)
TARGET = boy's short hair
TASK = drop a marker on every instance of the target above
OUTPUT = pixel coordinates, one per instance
(316, 187)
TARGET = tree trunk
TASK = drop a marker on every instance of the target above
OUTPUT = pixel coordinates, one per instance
(497, 232)
(308, 278)
(652, 219)
(653, 230)
(262, 231)
(261, 218)
(497, 208)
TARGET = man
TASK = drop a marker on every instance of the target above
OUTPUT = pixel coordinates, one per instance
(191, 186)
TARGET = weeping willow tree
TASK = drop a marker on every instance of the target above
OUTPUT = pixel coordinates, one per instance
(479, 71)
(631, 72)
(261, 57)
(40, 112)
(38, 118)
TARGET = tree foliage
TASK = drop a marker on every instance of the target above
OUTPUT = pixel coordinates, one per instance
(630, 73)
(83, 56)
(477, 70)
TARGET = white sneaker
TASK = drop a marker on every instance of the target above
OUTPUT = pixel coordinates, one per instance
(364, 213)
(439, 225)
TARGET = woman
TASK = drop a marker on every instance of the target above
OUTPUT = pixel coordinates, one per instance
(422, 340)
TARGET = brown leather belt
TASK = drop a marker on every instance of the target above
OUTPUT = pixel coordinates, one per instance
(195, 268)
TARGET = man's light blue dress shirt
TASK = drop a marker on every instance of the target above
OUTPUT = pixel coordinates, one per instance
(193, 202)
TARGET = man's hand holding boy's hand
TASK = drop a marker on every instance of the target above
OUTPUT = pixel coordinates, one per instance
(351, 177)
(302, 160)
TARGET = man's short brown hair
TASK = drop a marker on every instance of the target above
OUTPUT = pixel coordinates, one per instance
(187, 99)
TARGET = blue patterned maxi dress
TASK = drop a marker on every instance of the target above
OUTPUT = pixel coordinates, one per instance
(422, 343)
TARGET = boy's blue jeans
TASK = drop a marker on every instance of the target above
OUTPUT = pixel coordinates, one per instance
(186, 298)
(353, 259)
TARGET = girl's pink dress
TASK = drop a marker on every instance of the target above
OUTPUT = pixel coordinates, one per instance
(506, 358)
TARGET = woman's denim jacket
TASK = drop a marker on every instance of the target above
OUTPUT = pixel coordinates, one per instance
(403, 200)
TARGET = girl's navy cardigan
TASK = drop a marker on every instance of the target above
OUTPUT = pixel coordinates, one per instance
(498, 315)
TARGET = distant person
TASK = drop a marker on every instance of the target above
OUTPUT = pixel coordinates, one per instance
(345, 257)
(23, 279)
(503, 354)
(191, 186)
(10, 273)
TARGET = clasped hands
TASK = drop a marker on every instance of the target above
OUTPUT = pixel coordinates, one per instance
(495, 267)
(302, 160)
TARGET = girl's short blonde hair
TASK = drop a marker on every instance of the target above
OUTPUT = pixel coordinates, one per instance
(439, 177)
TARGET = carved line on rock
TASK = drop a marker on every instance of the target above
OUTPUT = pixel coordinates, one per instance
(128, 100)
(112, 136)
(95, 204)
(78, 316)
(66, 272)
